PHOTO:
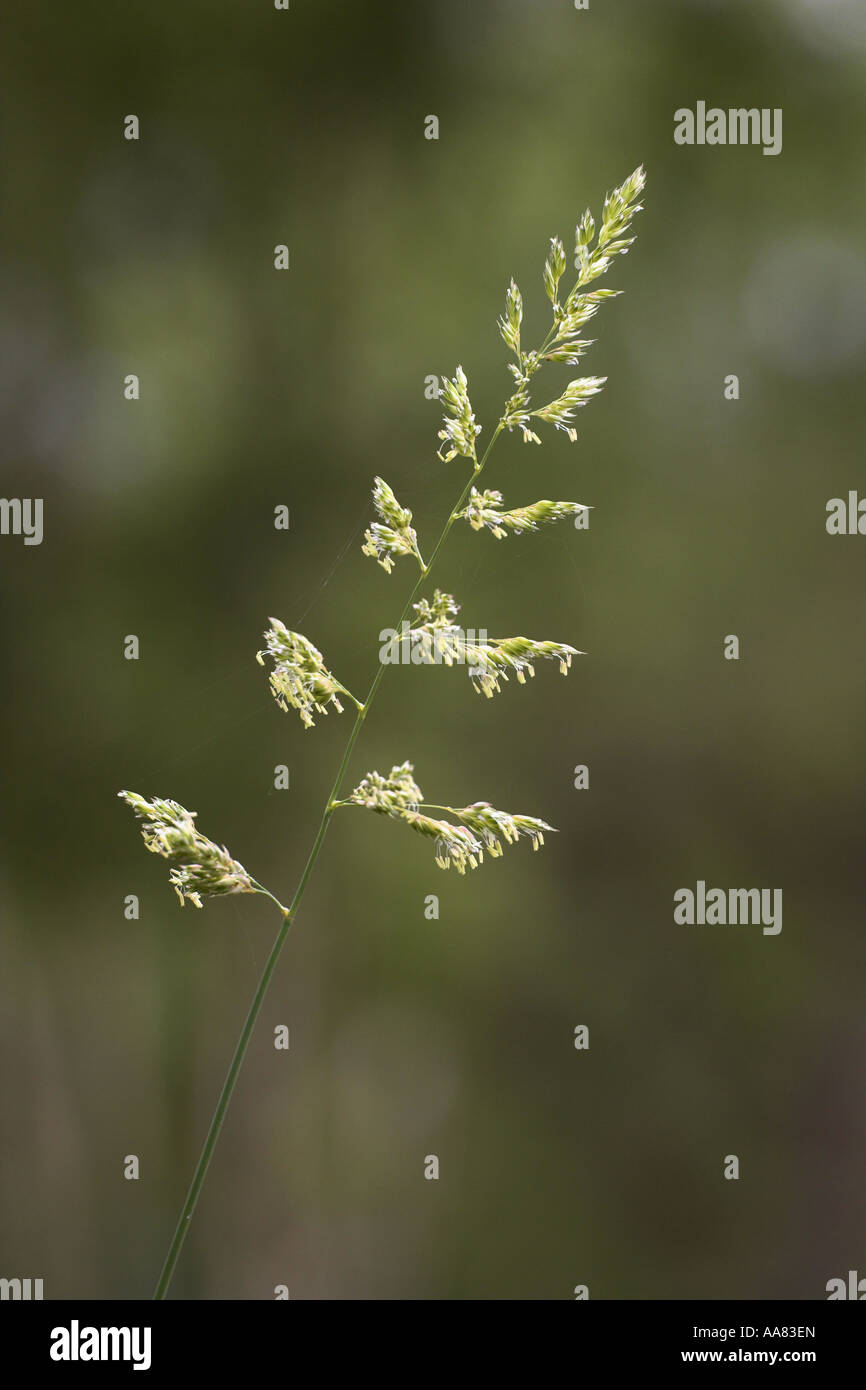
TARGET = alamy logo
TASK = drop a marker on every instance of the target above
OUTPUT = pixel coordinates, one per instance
(855, 1288)
(734, 907)
(75, 1343)
(737, 126)
(22, 516)
(23, 1289)
(449, 646)
(846, 519)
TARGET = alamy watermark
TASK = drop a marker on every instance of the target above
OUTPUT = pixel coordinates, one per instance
(736, 126)
(846, 518)
(451, 646)
(729, 907)
(22, 516)
(76, 1343)
(852, 1288)
(21, 1289)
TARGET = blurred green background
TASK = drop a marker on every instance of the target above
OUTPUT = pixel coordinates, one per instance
(412, 1037)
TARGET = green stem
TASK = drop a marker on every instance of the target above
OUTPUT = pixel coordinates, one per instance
(216, 1123)
(228, 1086)
(264, 892)
(225, 1095)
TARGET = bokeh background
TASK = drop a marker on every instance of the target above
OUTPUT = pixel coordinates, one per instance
(409, 1036)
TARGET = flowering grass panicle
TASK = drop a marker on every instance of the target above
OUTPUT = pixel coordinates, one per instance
(489, 661)
(393, 535)
(459, 429)
(490, 824)
(479, 827)
(561, 411)
(300, 680)
(390, 796)
(485, 509)
(509, 324)
(199, 867)
(554, 269)
(437, 612)
(620, 206)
